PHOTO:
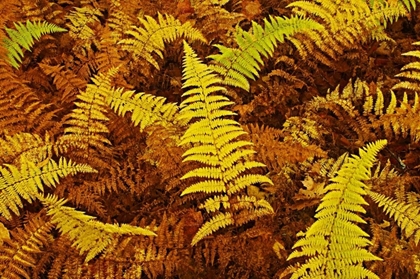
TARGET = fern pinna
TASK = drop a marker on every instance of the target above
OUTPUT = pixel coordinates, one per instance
(334, 243)
(215, 144)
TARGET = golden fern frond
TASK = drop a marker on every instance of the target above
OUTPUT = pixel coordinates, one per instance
(146, 109)
(405, 214)
(334, 243)
(235, 65)
(342, 104)
(397, 120)
(118, 20)
(215, 144)
(342, 30)
(152, 37)
(21, 252)
(301, 130)
(219, 221)
(108, 55)
(89, 235)
(24, 36)
(31, 146)
(410, 72)
(86, 127)
(80, 21)
(28, 180)
(275, 153)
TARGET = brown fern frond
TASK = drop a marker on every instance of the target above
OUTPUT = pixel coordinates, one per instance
(67, 83)
(215, 21)
(20, 253)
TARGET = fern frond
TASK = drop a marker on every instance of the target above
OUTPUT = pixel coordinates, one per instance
(152, 37)
(89, 235)
(146, 109)
(31, 146)
(218, 222)
(21, 252)
(334, 243)
(235, 65)
(86, 127)
(28, 180)
(215, 144)
(66, 81)
(410, 72)
(405, 214)
(24, 36)
(342, 30)
(80, 19)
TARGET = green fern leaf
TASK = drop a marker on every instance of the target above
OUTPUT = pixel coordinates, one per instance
(24, 36)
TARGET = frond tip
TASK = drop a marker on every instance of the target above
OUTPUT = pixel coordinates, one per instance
(334, 243)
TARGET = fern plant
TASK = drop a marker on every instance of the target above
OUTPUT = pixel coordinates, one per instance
(334, 243)
(24, 36)
(215, 144)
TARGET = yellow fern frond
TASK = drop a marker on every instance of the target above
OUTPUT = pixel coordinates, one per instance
(152, 37)
(405, 214)
(334, 243)
(31, 146)
(146, 109)
(218, 222)
(342, 30)
(80, 19)
(28, 180)
(410, 72)
(235, 65)
(86, 127)
(215, 144)
(88, 235)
